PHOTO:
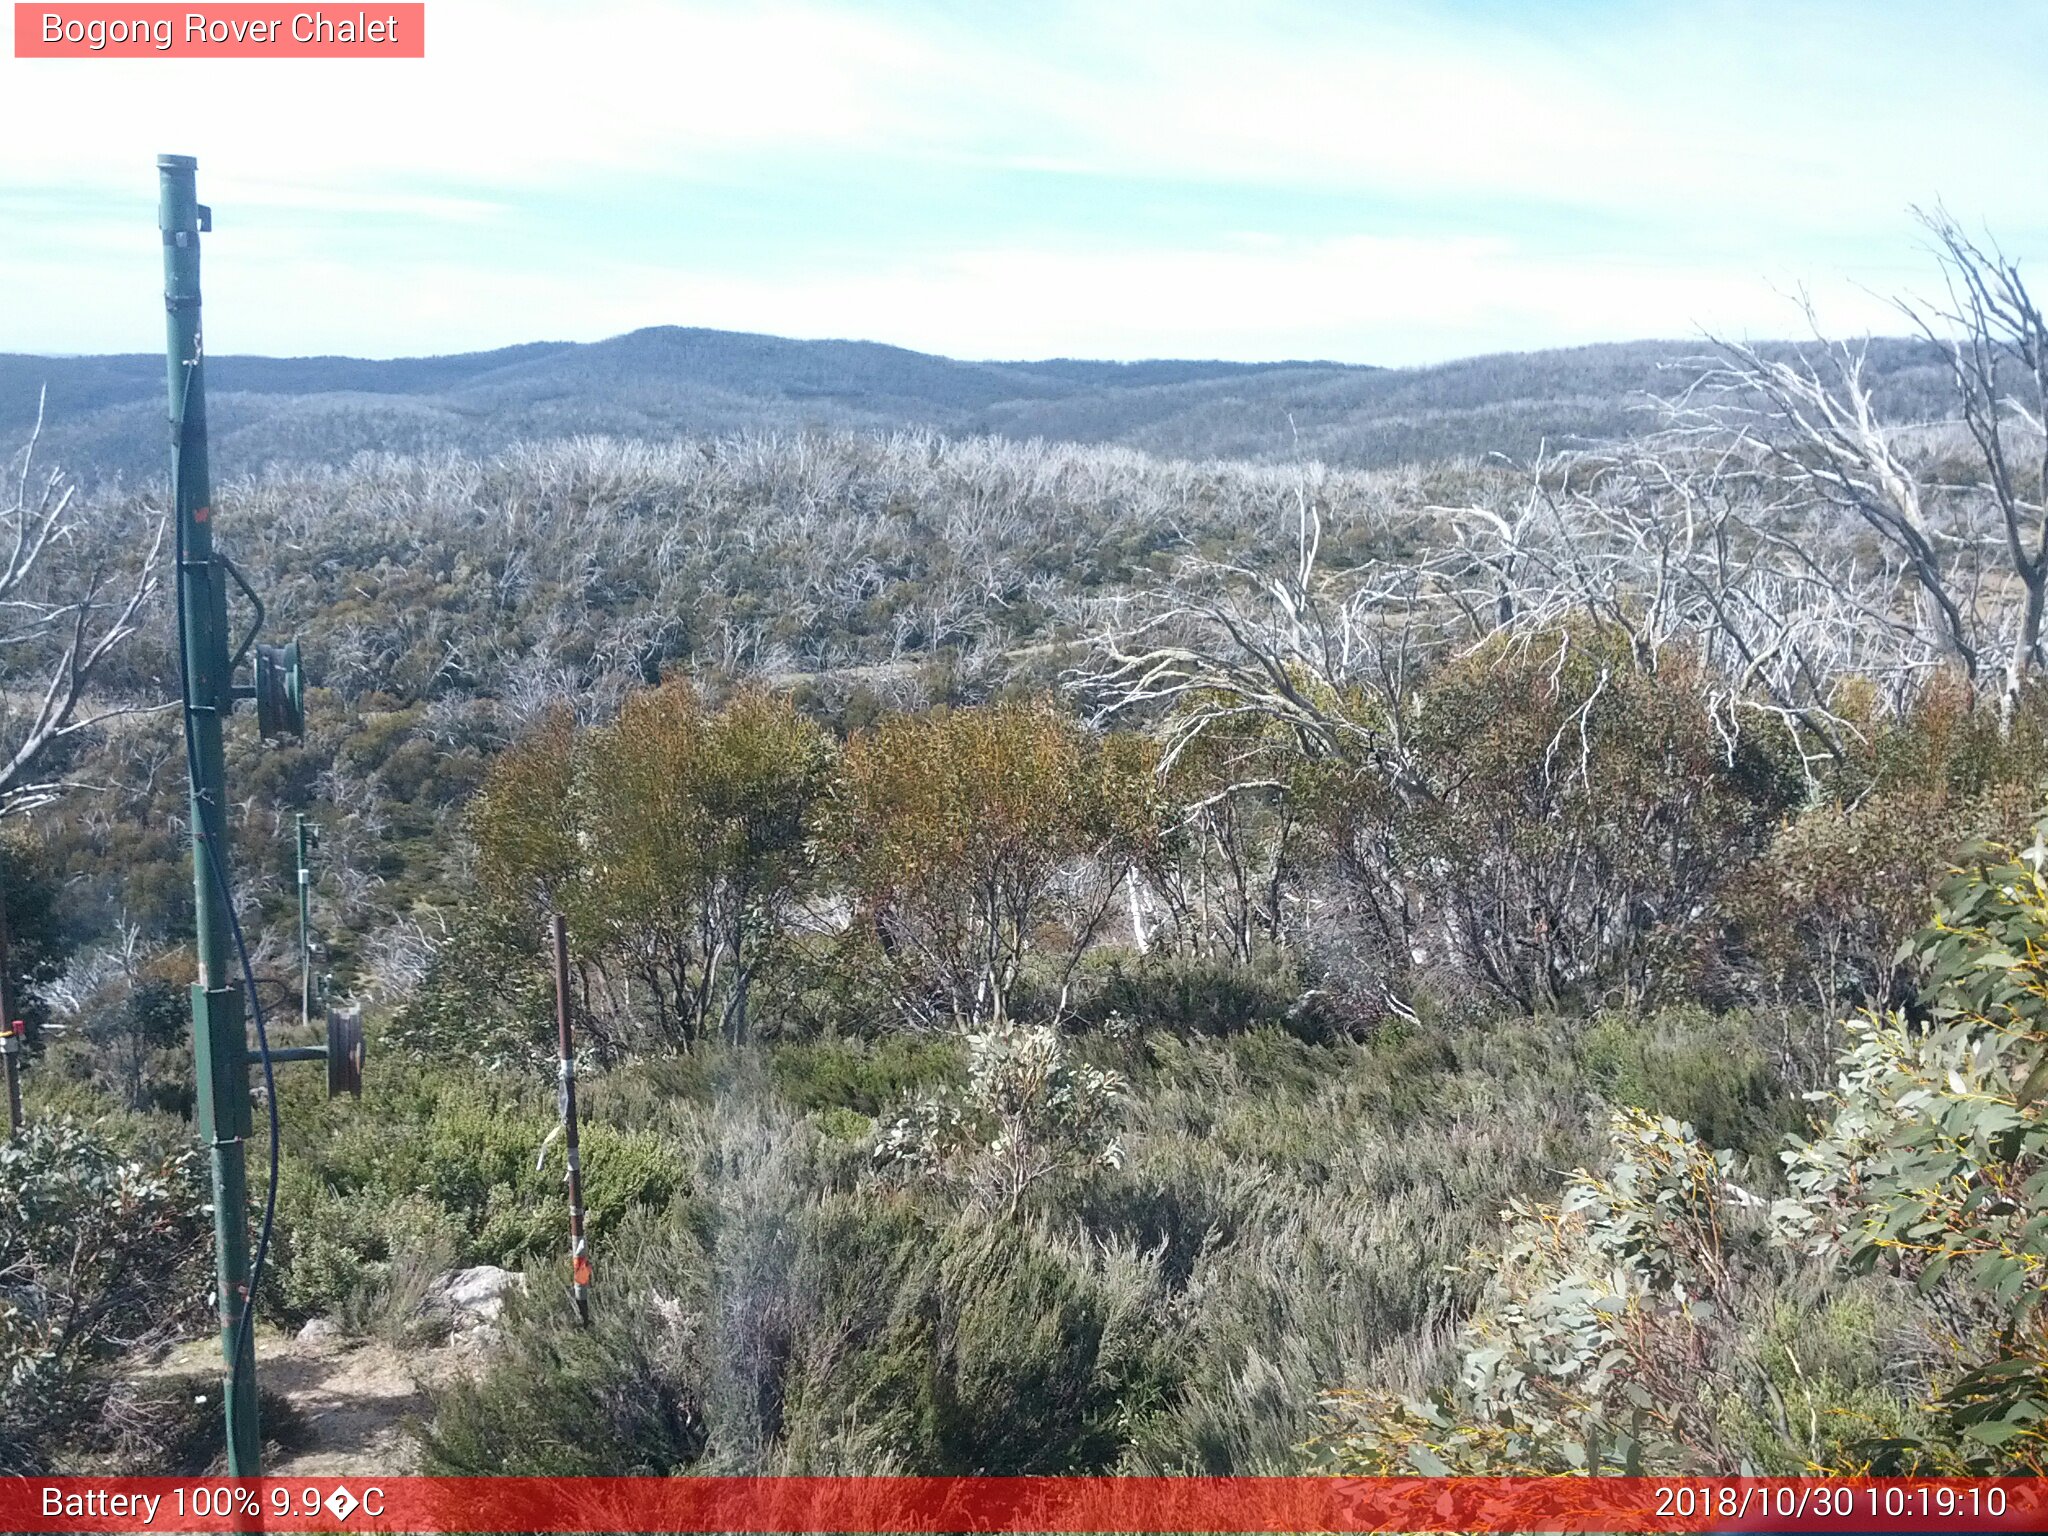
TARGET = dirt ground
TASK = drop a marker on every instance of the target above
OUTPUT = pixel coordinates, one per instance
(357, 1396)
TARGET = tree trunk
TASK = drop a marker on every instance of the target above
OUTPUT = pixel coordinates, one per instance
(2025, 647)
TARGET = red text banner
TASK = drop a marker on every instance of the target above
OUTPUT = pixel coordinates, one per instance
(1049, 1504)
(229, 31)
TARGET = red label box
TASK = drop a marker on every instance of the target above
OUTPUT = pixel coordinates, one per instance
(784, 1506)
(230, 31)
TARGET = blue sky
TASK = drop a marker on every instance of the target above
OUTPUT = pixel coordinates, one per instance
(1390, 183)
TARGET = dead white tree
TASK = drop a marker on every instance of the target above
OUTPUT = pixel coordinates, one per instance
(72, 590)
(1996, 342)
(1294, 646)
(1809, 423)
(1678, 540)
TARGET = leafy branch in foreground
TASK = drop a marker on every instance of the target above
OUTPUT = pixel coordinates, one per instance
(1935, 1161)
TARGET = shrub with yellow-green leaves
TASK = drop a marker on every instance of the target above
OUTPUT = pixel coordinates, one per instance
(974, 842)
(675, 841)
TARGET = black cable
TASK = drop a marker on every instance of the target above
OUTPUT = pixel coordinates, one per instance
(244, 1330)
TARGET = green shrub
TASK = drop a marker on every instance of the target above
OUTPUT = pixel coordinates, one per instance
(1934, 1163)
(610, 1400)
(448, 1171)
(848, 1125)
(648, 1093)
(867, 1076)
(364, 1263)
(1415, 1061)
(1195, 995)
(100, 1246)
(1176, 1215)
(1317, 1205)
(1256, 1064)
(837, 1334)
(1709, 1071)
(1040, 1356)
(974, 1348)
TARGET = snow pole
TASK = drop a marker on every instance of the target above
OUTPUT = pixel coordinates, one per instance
(307, 837)
(565, 1103)
(13, 1032)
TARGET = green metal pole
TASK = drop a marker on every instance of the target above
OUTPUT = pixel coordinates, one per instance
(220, 1050)
(305, 928)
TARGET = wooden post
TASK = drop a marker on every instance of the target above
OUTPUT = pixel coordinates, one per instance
(565, 1102)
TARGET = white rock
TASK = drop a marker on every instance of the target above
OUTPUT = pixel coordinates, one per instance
(321, 1330)
(477, 1295)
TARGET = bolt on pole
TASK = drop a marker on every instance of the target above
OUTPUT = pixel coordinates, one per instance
(565, 1102)
(220, 1050)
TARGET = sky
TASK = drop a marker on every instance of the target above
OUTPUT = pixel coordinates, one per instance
(1392, 183)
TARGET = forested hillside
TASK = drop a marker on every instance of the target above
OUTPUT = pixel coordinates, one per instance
(659, 384)
(1207, 960)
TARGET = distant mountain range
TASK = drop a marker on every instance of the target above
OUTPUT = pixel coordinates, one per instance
(106, 414)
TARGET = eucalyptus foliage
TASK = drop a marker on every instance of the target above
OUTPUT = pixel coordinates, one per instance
(1029, 1114)
(1935, 1161)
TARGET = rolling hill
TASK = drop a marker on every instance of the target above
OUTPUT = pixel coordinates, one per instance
(105, 414)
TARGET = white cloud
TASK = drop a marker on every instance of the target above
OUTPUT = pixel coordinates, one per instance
(1365, 299)
(1807, 114)
(514, 95)
(1464, 178)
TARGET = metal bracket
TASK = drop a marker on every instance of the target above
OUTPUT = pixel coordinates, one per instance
(343, 1053)
(255, 625)
(223, 1089)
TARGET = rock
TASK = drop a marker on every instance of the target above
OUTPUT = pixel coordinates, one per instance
(321, 1332)
(476, 1295)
